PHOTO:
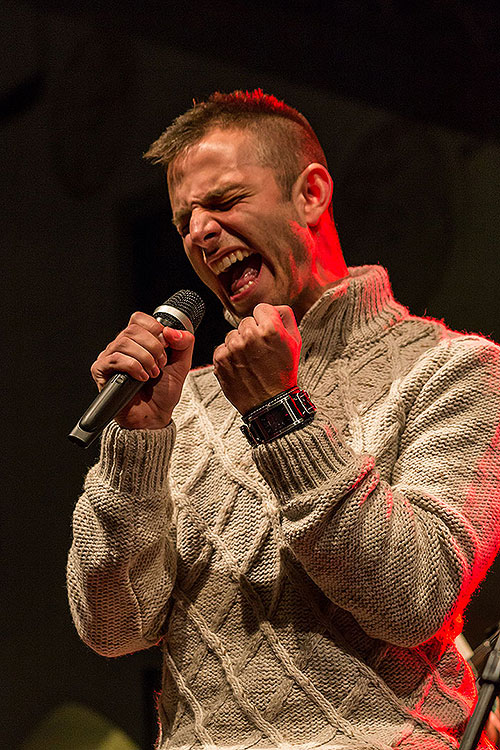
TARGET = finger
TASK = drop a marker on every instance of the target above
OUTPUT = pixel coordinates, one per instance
(267, 317)
(288, 320)
(233, 335)
(180, 345)
(138, 342)
(247, 327)
(264, 312)
(103, 369)
(153, 343)
(178, 340)
(146, 321)
(237, 343)
(220, 356)
(153, 326)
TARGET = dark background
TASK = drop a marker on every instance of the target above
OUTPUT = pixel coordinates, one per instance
(404, 98)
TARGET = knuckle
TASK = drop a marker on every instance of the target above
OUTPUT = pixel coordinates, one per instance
(135, 317)
(119, 345)
(246, 326)
(132, 330)
(110, 347)
(113, 359)
(220, 355)
(234, 345)
(141, 321)
(268, 331)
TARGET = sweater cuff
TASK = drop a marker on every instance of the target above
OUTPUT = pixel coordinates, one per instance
(136, 461)
(303, 460)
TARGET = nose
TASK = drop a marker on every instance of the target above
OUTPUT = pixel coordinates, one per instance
(204, 230)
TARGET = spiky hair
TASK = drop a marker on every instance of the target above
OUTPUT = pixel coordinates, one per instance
(284, 139)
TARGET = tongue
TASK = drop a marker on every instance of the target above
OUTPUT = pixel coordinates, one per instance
(239, 282)
(243, 272)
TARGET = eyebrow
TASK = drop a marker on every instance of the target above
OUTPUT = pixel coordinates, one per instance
(213, 196)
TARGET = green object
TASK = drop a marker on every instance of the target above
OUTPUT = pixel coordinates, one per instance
(73, 726)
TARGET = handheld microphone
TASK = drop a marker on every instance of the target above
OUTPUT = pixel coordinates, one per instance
(184, 311)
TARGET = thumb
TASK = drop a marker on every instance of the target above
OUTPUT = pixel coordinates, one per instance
(288, 320)
(179, 343)
(177, 339)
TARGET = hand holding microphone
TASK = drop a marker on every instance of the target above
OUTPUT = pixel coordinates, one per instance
(140, 383)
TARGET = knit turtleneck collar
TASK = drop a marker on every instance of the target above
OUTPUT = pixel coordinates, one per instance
(357, 308)
(360, 303)
(354, 311)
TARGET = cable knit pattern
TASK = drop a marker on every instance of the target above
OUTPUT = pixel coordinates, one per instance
(306, 593)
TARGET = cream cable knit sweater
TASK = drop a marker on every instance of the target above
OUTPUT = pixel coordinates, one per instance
(306, 592)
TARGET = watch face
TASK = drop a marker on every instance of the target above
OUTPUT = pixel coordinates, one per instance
(275, 421)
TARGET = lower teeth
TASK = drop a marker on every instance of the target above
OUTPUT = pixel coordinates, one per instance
(249, 283)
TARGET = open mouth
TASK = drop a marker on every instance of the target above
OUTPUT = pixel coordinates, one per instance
(241, 275)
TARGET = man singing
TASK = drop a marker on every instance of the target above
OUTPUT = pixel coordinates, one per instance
(305, 576)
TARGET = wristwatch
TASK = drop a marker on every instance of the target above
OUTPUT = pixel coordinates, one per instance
(279, 415)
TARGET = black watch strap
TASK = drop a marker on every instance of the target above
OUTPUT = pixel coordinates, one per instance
(279, 415)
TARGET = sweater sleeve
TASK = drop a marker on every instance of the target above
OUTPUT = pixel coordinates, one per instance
(122, 562)
(403, 556)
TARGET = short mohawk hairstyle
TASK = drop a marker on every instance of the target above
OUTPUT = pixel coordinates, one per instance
(285, 141)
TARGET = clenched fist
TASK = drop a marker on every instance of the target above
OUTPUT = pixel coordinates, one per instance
(260, 358)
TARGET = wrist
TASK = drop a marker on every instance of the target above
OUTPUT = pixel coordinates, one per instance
(285, 412)
(144, 423)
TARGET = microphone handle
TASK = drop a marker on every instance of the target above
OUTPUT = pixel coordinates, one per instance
(119, 390)
(116, 394)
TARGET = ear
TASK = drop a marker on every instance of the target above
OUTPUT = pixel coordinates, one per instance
(312, 193)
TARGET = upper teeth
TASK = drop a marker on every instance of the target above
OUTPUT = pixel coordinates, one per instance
(228, 260)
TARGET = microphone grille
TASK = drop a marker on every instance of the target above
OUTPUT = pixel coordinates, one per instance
(190, 303)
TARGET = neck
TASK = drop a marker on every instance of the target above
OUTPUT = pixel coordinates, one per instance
(330, 260)
(330, 266)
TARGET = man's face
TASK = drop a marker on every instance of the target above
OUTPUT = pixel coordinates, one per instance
(244, 241)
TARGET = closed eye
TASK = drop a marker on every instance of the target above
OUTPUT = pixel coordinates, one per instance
(224, 205)
(215, 204)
